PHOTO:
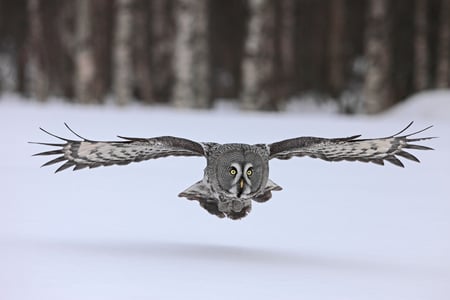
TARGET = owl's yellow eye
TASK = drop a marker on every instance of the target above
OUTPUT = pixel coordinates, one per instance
(250, 172)
(233, 171)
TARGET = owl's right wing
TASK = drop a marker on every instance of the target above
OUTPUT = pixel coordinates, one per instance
(351, 148)
(86, 153)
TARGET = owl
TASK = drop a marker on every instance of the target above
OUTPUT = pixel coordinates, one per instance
(235, 174)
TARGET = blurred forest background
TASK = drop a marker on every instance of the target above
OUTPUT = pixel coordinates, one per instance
(365, 54)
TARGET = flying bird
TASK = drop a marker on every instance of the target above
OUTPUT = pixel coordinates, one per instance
(235, 174)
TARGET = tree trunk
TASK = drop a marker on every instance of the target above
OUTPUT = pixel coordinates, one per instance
(421, 64)
(38, 75)
(142, 51)
(123, 71)
(336, 58)
(21, 62)
(162, 54)
(102, 21)
(84, 56)
(191, 57)
(443, 64)
(377, 92)
(285, 50)
(66, 31)
(258, 61)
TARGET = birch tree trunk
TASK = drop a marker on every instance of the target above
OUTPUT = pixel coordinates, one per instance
(84, 56)
(421, 65)
(258, 63)
(191, 57)
(38, 76)
(443, 63)
(122, 52)
(377, 91)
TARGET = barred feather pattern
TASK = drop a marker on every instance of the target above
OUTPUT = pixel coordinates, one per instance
(90, 154)
(377, 150)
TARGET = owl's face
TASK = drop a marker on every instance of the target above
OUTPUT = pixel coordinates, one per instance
(241, 173)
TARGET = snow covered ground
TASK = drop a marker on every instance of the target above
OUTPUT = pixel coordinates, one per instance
(337, 230)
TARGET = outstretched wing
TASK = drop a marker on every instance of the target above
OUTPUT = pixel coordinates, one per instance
(87, 153)
(351, 148)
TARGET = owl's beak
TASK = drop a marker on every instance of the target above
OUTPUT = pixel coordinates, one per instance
(241, 186)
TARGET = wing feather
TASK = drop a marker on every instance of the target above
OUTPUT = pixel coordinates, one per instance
(352, 148)
(54, 161)
(86, 153)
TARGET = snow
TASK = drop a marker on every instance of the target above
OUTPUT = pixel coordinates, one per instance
(336, 231)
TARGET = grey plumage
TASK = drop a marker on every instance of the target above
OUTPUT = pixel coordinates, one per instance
(235, 174)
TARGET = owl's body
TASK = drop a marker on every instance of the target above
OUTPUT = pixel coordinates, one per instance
(235, 174)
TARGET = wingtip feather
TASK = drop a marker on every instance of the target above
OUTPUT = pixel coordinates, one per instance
(68, 164)
(51, 152)
(395, 161)
(54, 161)
(408, 155)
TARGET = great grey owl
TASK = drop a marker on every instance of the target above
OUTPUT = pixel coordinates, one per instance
(235, 174)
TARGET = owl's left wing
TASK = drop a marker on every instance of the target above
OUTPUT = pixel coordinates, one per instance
(86, 153)
(351, 148)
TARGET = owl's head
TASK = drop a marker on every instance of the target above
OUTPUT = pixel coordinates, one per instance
(239, 170)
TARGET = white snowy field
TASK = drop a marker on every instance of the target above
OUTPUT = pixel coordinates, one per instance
(342, 230)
